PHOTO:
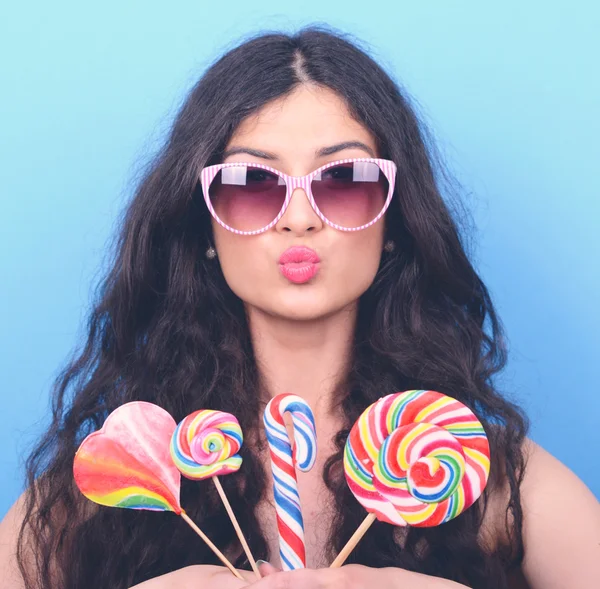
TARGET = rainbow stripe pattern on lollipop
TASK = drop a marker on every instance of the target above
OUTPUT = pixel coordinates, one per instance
(126, 463)
(284, 461)
(206, 444)
(419, 458)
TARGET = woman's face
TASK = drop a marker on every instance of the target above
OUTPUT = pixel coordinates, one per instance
(292, 130)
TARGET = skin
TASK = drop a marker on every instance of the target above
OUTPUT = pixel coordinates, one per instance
(302, 335)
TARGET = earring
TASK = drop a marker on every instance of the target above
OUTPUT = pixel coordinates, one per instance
(389, 246)
(211, 253)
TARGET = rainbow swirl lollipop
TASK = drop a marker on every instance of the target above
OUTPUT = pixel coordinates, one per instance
(418, 458)
(206, 444)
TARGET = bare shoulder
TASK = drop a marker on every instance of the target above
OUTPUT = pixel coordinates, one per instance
(543, 468)
(10, 527)
(551, 488)
(561, 524)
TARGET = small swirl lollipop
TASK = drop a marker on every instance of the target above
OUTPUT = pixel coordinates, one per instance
(416, 458)
(204, 445)
(284, 462)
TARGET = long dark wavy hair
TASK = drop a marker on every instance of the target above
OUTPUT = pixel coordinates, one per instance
(166, 328)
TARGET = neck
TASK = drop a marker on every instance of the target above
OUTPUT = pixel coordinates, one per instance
(308, 358)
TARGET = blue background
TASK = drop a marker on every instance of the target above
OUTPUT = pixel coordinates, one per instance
(510, 89)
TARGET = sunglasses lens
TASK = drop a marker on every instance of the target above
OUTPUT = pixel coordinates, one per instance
(247, 198)
(352, 194)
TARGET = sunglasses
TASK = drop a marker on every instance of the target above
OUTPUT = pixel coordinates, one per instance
(349, 195)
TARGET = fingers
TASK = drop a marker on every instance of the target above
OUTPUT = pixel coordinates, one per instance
(266, 568)
(302, 579)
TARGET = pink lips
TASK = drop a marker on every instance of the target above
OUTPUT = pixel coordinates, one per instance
(299, 264)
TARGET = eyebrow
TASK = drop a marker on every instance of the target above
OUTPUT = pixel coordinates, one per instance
(324, 151)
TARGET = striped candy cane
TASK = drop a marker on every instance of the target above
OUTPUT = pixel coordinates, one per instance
(283, 464)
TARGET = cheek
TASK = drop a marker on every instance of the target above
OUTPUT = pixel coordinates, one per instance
(356, 258)
(356, 265)
(244, 263)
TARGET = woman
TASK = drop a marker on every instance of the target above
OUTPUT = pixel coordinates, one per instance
(223, 297)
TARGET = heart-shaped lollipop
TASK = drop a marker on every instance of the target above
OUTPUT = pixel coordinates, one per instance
(127, 463)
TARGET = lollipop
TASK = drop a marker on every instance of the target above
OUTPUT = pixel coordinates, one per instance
(205, 445)
(283, 463)
(127, 464)
(416, 458)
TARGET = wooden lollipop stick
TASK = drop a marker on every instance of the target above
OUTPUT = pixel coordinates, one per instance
(219, 554)
(236, 525)
(340, 559)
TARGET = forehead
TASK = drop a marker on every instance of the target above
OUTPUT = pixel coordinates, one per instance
(301, 122)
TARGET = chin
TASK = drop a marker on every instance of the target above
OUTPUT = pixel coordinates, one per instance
(305, 306)
(311, 314)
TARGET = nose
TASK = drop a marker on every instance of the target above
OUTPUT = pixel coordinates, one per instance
(299, 217)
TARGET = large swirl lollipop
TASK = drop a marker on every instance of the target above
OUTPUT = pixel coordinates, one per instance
(205, 445)
(416, 458)
(284, 462)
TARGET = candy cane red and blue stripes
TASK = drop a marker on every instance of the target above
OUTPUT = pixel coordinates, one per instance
(284, 461)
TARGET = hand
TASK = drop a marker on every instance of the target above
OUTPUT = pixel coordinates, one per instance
(349, 577)
(192, 577)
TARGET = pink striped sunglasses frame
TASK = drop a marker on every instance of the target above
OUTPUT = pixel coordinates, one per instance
(208, 174)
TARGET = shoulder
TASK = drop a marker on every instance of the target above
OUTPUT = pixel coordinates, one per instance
(561, 523)
(22, 519)
(561, 527)
(554, 493)
(546, 475)
(9, 534)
